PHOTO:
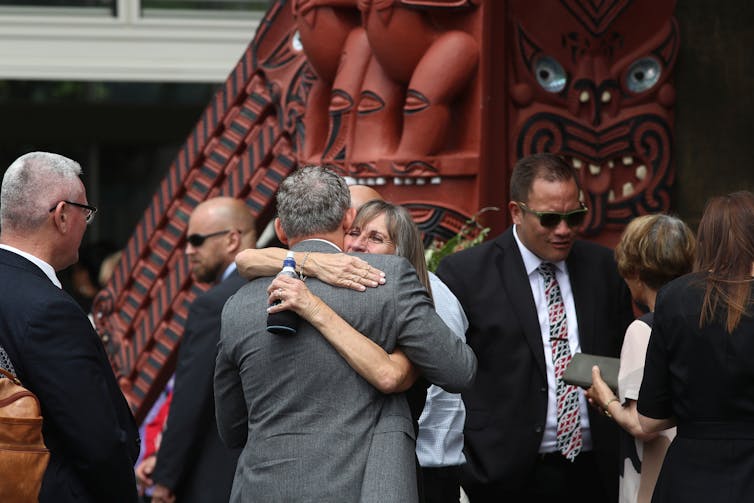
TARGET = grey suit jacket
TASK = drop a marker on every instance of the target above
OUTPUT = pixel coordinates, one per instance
(306, 420)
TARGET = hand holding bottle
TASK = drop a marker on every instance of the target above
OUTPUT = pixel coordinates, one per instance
(284, 322)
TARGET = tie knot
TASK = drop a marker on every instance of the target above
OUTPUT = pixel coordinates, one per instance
(547, 269)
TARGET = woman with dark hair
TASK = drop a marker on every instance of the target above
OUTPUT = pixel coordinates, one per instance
(699, 375)
(653, 250)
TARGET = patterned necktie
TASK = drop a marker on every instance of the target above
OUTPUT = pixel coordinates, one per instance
(569, 421)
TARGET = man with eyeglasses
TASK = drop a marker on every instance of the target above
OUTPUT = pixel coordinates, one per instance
(51, 345)
(193, 464)
(534, 296)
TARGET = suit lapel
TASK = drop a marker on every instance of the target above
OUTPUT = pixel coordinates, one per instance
(580, 276)
(15, 260)
(516, 284)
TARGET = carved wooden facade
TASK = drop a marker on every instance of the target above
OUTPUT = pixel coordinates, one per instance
(431, 101)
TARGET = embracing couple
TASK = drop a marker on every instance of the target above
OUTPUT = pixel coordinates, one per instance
(309, 409)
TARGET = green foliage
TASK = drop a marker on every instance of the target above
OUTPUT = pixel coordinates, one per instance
(471, 234)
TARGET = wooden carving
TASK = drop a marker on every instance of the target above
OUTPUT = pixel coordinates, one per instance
(431, 101)
(597, 88)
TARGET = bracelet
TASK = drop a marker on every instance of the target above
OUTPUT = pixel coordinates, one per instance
(607, 405)
(301, 269)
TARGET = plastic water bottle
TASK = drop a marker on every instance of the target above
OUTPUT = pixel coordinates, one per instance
(284, 322)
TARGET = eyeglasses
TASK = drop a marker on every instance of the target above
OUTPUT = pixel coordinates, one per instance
(549, 219)
(197, 240)
(373, 237)
(90, 210)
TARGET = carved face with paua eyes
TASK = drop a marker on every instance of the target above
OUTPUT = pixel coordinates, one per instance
(592, 82)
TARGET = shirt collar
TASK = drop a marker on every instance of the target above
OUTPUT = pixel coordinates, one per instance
(228, 271)
(46, 268)
(324, 241)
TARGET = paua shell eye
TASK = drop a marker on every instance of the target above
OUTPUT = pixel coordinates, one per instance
(550, 74)
(643, 74)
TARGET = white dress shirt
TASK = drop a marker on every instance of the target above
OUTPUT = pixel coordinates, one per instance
(46, 268)
(531, 263)
(440, 439)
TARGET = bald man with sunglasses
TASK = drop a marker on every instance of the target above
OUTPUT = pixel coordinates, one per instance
(193, 465)
(534, 296)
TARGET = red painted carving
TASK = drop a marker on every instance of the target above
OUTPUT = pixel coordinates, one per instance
(431, 101)
(597, 87)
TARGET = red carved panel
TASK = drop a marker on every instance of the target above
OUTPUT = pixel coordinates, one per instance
(597, 88)
(431, 102)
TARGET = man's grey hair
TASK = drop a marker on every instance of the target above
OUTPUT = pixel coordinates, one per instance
(312, 200)
(33, 184)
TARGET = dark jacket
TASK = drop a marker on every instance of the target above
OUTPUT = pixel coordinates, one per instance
(192, 460)
(88, 426)
(507, 407)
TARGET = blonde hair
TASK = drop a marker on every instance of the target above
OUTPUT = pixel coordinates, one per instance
(656, 249)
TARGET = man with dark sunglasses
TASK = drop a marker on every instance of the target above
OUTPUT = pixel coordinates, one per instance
(534, 296)
(192, 463)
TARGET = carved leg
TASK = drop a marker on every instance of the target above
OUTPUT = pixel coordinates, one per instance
(378, 124)
(342, 101)
(443, 72)
(315, 122)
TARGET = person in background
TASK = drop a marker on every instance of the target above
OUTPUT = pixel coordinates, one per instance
(534, 296)
(653, 250)
(151, 436)
(698, 374)
(192, 463)
(362, 194)
(83, 283)
(52, 346)
(107, 268)
(261, 379)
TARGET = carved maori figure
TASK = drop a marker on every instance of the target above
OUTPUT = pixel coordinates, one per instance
(417, 64)
(325, 28)
(391, 81)
(596, 86)
(432, 100)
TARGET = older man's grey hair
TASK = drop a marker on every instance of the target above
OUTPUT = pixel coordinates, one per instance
(312, 200)
(32, 185)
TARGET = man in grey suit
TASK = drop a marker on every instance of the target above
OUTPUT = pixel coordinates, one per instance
(311, 428)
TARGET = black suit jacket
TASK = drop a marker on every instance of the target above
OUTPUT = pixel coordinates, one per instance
(507, 407)
(192, 460)
(88, 427)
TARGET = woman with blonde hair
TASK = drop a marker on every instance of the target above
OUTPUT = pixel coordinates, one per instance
(699, 375)
(653, 250)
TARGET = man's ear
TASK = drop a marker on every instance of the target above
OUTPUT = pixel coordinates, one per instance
(280, 232)
(60, 219)
(234, 242)
(516, 212)
(348, 219)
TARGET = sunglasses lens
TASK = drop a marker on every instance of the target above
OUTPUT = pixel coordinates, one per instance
(196, 240)
(549, 219)
(576, 219)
